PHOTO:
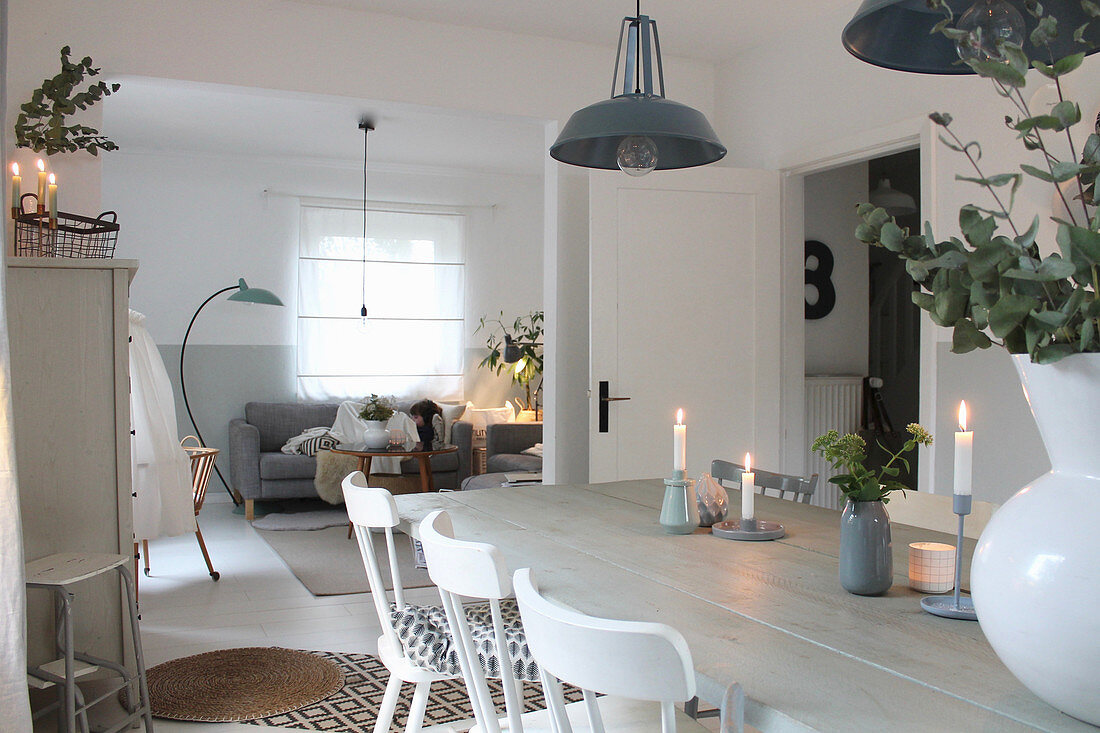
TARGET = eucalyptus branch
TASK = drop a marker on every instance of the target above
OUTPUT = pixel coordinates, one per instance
(1048, 158)
(981, 175)
(1073, 155)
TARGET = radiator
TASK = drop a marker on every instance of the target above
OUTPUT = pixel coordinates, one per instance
(832, 403)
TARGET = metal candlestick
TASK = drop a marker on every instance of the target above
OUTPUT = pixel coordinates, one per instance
(956, 607)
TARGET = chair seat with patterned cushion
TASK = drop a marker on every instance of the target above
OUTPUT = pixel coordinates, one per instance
(426, 639)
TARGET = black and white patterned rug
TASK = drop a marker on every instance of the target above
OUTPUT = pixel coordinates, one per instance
(353, 708)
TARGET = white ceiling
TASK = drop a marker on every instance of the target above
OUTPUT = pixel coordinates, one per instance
(712, 30)
(168, 116)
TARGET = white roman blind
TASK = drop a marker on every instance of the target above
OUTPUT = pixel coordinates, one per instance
(412, 343)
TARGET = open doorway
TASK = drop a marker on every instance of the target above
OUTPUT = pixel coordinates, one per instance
(861, 329)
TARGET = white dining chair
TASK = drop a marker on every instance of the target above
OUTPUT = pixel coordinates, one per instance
(464, 569)
(374, 509)
(632, 673)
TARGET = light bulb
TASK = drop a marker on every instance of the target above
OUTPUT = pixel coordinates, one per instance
(637, 155)
(987, 22)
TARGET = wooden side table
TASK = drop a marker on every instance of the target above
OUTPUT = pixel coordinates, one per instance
(423, 457)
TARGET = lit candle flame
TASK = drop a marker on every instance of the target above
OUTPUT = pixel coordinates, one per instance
(41, 165)
(962, 416)
(15, 169)
(680, 416)
(53, 180)
(748, 463)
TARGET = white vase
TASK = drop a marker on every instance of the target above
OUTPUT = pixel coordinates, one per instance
(376, 436)
(1035, 578)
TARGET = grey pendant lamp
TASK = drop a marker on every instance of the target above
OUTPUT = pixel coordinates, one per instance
(896, 34)
(638, 130)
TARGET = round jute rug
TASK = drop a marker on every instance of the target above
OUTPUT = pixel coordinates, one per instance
(240, 684)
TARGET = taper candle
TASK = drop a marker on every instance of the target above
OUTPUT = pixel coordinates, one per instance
(41, 182)
(53, 198)
(679, 443)
(748, 490)
(964, 455)
(16, 185)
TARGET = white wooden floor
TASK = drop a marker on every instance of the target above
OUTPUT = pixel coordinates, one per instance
(257, 602)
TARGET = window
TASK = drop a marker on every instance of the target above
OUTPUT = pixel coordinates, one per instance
(412, 342)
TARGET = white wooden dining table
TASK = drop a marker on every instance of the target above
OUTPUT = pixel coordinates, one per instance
(769, 615)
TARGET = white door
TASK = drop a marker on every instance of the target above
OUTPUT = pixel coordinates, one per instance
(685, 313)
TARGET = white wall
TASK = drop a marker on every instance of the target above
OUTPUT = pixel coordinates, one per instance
(837, 343)
(779, 109)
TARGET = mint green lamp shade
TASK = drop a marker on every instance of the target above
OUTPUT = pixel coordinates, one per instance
(254, 295)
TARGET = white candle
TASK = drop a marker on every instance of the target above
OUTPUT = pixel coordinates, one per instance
(16, 188)
(53, 198)
(748, 490)
(964, 455)
(679, 443)
(41, 182)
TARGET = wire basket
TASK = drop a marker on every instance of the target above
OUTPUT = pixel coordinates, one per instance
(71, 235)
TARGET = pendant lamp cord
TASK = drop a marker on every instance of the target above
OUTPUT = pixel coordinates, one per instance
(366, 132)
(638, 63)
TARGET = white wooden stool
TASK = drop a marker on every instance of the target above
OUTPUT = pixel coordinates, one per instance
(56, 573)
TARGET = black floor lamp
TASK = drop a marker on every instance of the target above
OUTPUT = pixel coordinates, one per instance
(244, 294)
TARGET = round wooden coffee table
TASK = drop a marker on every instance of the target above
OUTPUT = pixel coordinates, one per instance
(423, 457)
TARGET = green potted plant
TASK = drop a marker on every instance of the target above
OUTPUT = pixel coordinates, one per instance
(41, 126)
(999, 284)
(375, 413)
(518, 349)
(866, 558)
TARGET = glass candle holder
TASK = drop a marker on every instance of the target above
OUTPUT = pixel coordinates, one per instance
(931, 567)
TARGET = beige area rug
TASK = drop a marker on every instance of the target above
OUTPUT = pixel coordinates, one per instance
(327, 562)
(241, 684)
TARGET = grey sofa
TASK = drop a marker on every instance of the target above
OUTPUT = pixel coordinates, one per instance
(505, 443)
(258, 470)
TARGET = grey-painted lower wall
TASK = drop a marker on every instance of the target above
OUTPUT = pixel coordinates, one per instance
(1008, 452)
(222, 378)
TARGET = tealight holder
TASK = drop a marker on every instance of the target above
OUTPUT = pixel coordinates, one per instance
(679, 512)
(954, 606)
(931, 567)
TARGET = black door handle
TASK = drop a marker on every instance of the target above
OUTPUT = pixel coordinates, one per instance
(605, 398)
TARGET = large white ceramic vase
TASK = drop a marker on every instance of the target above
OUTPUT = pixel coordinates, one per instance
(1035, 578)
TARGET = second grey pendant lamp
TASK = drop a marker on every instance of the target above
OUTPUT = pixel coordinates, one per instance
(638, 130)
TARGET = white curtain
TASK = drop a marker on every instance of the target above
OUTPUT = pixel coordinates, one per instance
(13, 595)
(163, 504)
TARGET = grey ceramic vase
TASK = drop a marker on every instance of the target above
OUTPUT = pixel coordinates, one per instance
(866, 558)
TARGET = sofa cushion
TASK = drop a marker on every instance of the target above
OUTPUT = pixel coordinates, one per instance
(278, 422)
(512, 462)
(277, 465)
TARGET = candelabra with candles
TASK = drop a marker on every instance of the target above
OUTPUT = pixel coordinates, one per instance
(957, 606)
(749, 528)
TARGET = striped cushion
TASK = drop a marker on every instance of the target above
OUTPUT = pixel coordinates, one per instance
(310, 446)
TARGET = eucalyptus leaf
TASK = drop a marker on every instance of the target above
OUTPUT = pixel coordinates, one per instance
(1009, 312)
(966, 338)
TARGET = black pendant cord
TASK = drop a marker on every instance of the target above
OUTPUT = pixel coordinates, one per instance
(183, 384)
(638, 62)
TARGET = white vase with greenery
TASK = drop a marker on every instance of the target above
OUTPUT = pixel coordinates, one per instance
(1035, 576)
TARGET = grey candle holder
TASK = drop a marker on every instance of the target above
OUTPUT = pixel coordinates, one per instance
(955, 606)
(749, 530)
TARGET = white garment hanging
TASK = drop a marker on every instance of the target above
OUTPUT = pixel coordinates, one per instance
(163, 503)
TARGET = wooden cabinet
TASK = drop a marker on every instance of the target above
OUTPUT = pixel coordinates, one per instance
(68, 325)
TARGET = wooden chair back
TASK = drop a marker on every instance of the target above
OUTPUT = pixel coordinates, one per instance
(202, 463)
(472, 570)
(936, 512)
(792, 488)
(370, 509)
